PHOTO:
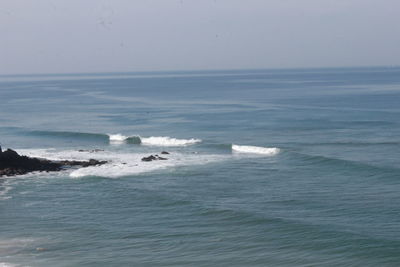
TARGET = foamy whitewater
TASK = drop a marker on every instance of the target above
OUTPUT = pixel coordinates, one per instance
(117, 137)
(121, 164)
(124, 164)
(256, 150)
(168, 141)
(265, 168)
(154, 140)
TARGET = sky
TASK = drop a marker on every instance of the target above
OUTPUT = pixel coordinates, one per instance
(73, 36)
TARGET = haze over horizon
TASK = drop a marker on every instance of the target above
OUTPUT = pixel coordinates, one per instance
(122, 36)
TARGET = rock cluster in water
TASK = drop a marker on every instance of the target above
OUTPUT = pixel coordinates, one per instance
(155, 157)
(11, 163)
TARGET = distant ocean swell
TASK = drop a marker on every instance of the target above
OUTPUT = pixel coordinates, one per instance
(71, 135)
(339, 164)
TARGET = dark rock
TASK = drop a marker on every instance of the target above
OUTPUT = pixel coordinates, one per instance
(164, 152)
(11, 163)
(93, 162)
(151, 158)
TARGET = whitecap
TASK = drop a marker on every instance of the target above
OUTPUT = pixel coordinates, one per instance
(168, 141)
(152, 140)
(117, 137)
(271, 151)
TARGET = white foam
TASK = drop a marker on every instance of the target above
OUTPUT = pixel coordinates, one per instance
(122, 163)
(168, 141)
(155, 140)
(50, 154)
(271, 151)
(131, 164)
(117, 137)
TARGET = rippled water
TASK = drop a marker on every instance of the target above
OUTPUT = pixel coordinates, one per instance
(266, 168)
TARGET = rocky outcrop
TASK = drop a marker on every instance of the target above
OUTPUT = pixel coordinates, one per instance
(11, 163)
(151, 158)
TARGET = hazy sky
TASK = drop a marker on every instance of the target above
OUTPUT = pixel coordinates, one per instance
(58, 36)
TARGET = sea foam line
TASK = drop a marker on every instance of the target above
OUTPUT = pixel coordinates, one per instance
(270, 151)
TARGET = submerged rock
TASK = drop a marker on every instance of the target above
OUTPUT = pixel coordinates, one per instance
(90, 151)
(164, 152)
(151, 158)
(11, 163)
(160, 158)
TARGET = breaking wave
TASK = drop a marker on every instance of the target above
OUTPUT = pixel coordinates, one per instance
(168, 141)
(119, 138)
(256, 150)
(153, 140)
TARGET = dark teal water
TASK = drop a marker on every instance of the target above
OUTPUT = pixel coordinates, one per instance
(330, 196)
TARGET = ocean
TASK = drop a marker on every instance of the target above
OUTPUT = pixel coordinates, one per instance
(296, 167)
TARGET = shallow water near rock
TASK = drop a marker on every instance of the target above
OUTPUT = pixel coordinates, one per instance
(265, 168)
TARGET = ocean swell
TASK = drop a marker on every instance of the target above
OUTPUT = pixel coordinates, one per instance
(71, 135)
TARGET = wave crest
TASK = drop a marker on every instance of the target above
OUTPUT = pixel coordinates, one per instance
(152, 141)
(117, 137)
(271, 151)
(168, 141)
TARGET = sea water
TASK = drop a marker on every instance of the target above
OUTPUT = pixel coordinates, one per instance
(265, 168)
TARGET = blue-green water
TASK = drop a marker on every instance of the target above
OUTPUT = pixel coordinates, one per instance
(328, 195)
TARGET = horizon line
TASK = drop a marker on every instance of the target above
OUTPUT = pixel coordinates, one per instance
(194, 71)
